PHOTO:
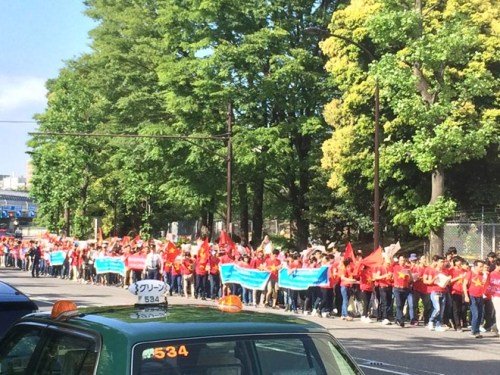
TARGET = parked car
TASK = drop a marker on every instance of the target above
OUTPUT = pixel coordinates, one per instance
(153, 338)
(13, 305)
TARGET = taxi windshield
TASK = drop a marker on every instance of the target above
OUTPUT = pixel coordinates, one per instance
(244, 355)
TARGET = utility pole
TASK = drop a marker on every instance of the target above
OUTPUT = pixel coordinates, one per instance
(229, 228)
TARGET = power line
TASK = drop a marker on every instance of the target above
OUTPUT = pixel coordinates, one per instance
(218, 137)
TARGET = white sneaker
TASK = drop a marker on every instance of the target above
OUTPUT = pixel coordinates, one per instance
(307, 312)
(386, 322)
(325, 314)
(335, 311)
(430, 326)
(314, 312)
(482, 330)
(366, 319)
(440, 329)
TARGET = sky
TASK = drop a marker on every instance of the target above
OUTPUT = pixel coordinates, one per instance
(36, 37)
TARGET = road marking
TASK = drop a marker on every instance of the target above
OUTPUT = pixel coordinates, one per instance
(372, 364)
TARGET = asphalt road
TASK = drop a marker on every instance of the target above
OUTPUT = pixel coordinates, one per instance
(378, 349)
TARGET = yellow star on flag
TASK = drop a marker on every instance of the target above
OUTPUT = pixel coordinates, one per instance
(402, 275)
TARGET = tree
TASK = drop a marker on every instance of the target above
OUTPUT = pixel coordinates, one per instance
(436, 67)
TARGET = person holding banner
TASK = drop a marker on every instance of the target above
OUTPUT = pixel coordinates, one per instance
(257, 263)
(214, 276)
(272, 264)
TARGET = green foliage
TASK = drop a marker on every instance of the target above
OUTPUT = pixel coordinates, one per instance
(439, 89)
(425, 219)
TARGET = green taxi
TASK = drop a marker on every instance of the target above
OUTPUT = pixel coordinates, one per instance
(159, 339)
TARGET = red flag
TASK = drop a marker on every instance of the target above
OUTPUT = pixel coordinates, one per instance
(225, 242)
(172, 252)
(349, 253)
(204, 251)
(375, 259)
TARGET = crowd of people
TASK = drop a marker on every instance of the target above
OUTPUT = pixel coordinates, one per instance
(445, 293)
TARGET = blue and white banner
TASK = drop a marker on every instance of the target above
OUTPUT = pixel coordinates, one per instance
(57, 258)
(110, 265)
(247, 277)
(303, 278)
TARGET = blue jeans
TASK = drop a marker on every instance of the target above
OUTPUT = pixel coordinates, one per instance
(438, 304)
(345, 292)
(400, 295)
(476, 311)
(411, 306)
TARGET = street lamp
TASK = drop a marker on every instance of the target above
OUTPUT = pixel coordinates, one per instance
(376, 156)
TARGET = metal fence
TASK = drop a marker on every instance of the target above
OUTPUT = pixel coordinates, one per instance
(473, 240)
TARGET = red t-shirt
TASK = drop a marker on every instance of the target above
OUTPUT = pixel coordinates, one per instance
(382, 270)
(366, 279)
(433, 273)
(187, 266)
(176, 268)
(256, 263)
(401, 276)
(476, 284)
(493, 288)
(418, 284)
(457, 285)
(214, 265)
(345, 272)
(272, 265)
(201, 267)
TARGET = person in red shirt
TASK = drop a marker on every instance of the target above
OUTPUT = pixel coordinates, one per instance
(201, 274)
(187, 269)
(366, 287)
(457, 274)
(273, 264)
(433, 279)
(346, 282)
(325, 300)
(214, 276)
(176, 276)
(493, 290)
(294, 263)
(474, 287)
(257, 263)
(382, 276)
(401, 274)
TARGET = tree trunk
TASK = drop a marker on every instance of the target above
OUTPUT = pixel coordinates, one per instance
(436, 237)
(67, 216)
(243, 193)
(257, 211)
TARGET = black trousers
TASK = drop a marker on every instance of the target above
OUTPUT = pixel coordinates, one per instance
(456, 306)
(384, 296)
(366, 297)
